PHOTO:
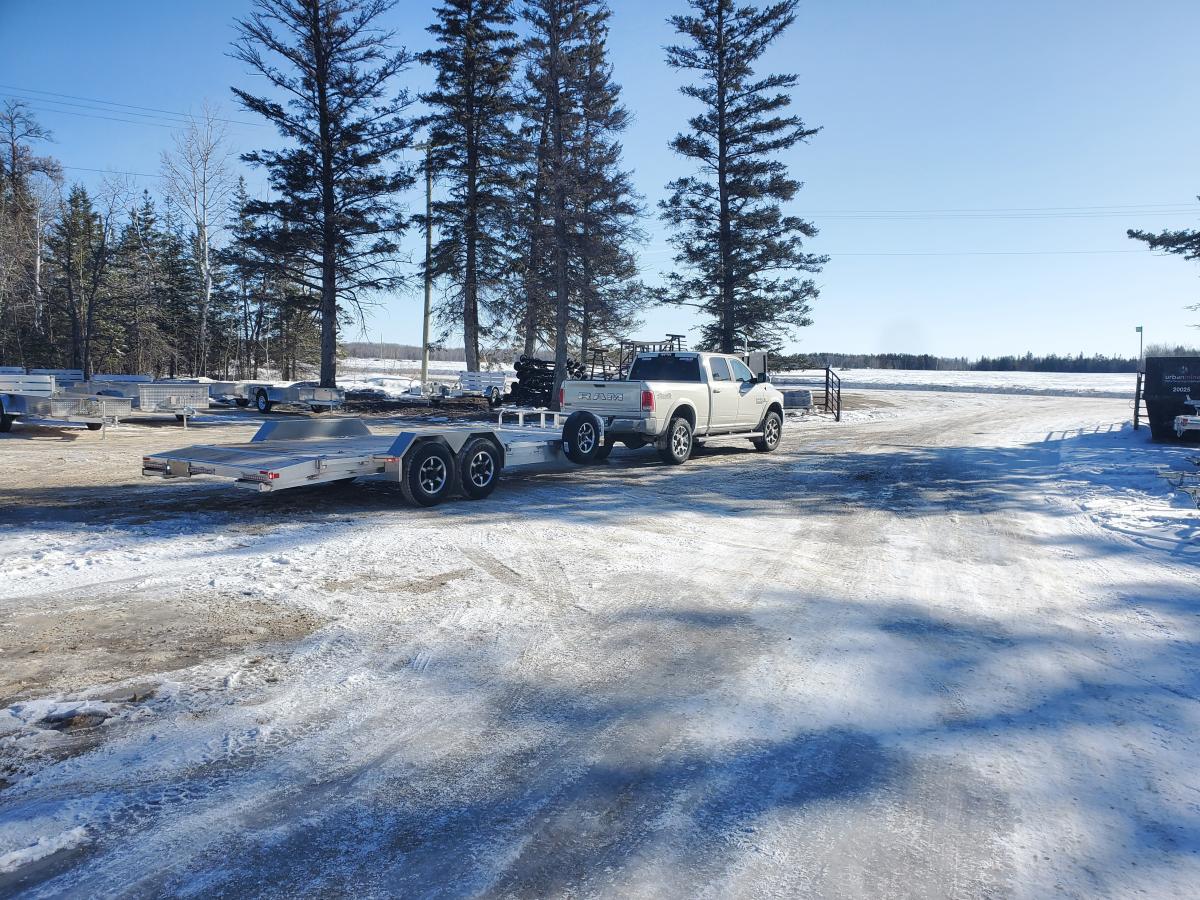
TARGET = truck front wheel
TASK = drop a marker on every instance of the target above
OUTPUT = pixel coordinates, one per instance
(676, 445)
(772, 432)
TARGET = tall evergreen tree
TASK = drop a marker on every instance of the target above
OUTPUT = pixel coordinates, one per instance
(81, 248)
(608, 206)
(336, 183)
(1180, 243)
(738, 249)
(555, 46)
(474, 152)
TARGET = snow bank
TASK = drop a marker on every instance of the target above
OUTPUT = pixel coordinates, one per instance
(43, 847)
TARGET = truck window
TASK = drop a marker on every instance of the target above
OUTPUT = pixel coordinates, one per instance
(720, 369)
(741, 372)
(665, 368)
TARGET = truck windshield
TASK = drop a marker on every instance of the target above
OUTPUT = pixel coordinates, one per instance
(665, 368)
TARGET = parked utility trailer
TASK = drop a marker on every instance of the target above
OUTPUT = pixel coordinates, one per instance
(430, 463)
(181, 399)
(38, 397)
(265, 396)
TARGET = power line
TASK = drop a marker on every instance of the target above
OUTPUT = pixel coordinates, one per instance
(71, 112)
(835, 253)
(112, 172)
(153, 109)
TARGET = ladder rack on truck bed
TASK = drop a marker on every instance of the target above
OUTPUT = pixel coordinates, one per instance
(431, 463)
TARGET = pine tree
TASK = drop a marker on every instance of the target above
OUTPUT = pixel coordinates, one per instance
(736, 245)
(1179, 243)
(608, 206)
(335, 184)
(474, 151)
(81, 246)
(555, 48)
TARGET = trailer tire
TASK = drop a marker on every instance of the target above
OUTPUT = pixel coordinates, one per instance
(6, 422)
(495, 397)
(634, 443)
(772, 429)
(179, 418)
(676, 446)
(93, 426)
(479, 465)
(262, 403)
(242, 402)
(429, 476)
(583, 436)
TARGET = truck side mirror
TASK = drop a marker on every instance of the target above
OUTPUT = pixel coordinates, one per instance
(762, 378)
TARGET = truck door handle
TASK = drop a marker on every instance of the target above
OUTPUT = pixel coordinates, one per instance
(716, 390)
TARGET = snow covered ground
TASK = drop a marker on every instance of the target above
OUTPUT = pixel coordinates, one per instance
(1046, 383)
(945, 648)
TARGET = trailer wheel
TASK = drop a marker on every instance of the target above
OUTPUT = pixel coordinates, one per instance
(634, 443)
(5, 421)
(429, 475)
(262, 403)
(495, 397)
(676, 446)
(479, 466)
(772, 433)
(242, 402)
(583, 436)
(93, 426)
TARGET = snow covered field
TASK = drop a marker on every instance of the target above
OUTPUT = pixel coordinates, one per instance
(1047, 383)
(948, 647)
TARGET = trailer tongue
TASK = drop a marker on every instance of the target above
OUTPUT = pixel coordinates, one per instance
(429, 463)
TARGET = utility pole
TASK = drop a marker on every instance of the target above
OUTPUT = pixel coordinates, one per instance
(1141, 338)
(428, 148)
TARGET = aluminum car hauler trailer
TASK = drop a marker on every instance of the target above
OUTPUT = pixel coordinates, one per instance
(430, 463)
(38, 397)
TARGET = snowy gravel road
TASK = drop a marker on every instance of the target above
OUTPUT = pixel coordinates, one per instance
(950, 653)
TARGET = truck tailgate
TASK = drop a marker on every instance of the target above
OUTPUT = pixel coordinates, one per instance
(605, 398)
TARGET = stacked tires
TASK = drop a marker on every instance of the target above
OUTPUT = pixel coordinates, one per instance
(535, 381)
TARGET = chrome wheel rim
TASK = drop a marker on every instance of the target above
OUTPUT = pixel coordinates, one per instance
(432, 475)
(482, 469)
(772, 431)
(586, 437)
(681, 441)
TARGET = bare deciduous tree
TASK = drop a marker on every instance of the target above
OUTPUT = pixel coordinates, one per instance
(198, 175)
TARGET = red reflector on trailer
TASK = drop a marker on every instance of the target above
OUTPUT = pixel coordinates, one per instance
(562, 396)
(268, 474)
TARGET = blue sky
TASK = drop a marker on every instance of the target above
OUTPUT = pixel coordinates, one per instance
(964, 146)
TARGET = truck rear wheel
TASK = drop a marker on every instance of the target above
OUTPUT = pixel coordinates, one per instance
(479, 465)
(772, 433)
(429, 474)
(583, 436)
(242, 402)
(676, 446)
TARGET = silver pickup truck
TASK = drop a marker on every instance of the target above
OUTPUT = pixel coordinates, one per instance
(671, 400)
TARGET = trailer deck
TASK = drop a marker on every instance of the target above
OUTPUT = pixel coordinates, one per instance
(287, 453)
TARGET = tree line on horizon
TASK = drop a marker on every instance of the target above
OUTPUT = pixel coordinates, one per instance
(535, 225)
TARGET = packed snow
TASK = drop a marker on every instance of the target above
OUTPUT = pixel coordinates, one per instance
(946, 647)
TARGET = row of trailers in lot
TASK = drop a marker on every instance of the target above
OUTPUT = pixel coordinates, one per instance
(64, 396)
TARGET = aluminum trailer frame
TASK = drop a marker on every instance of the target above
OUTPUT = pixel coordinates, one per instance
(264, 396)
(294, 453)
(38, 397)
(180, 399)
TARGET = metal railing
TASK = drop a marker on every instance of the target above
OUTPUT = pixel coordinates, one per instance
(833, 394)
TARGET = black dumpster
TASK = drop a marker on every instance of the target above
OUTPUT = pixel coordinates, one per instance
(1170, 380)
